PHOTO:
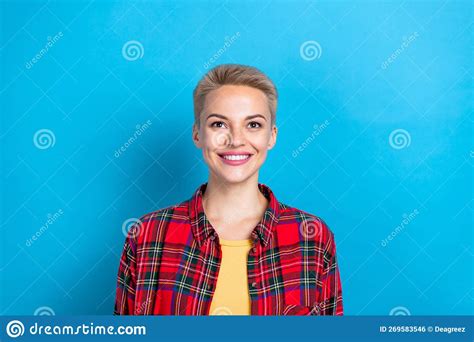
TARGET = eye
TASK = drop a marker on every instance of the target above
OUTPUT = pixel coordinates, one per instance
(218, 124)
(255, 124)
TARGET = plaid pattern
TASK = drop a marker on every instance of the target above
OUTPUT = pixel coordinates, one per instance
(171, 258)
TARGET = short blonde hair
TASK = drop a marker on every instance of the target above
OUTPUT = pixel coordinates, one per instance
(234, 74)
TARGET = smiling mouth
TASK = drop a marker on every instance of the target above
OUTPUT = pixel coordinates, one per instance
(235, 157)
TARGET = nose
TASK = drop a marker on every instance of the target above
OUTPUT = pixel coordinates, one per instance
(237, 137)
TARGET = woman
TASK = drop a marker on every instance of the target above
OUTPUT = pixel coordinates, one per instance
(232, 248)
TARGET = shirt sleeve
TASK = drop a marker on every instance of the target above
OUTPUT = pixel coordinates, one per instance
(127, 279)
(331, 292)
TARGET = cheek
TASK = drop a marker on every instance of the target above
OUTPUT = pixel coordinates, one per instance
(216, 140)
(261, 141)
(206, 140)
(209, 145)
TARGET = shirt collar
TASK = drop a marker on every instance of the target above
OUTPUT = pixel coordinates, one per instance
(202, 228)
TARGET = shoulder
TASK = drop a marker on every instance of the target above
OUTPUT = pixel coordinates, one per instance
(152, 226)
(169, 213)
(310, 226)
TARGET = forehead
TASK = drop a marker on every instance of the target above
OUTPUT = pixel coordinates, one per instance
(236, 100)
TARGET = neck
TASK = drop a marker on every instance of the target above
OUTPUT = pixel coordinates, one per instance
(233, 202)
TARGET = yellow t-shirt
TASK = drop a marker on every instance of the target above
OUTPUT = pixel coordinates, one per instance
(231, 296)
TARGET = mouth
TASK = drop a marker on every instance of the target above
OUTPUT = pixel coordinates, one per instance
(235, 159)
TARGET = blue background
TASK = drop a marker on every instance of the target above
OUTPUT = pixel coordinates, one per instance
(91, 98)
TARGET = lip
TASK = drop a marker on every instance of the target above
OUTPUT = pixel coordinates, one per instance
(234, 162)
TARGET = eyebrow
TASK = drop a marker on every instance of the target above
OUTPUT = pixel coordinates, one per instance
(247, 118)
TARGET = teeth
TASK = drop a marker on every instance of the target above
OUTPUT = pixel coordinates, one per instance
(236, 157)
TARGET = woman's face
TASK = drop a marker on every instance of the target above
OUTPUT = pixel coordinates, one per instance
(235, 132)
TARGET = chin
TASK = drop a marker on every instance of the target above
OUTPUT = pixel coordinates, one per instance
(233, 179)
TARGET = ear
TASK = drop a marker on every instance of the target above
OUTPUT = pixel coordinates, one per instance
(196, 138)
(273, 138)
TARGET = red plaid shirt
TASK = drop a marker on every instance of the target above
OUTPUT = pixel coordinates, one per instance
(171, 258)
